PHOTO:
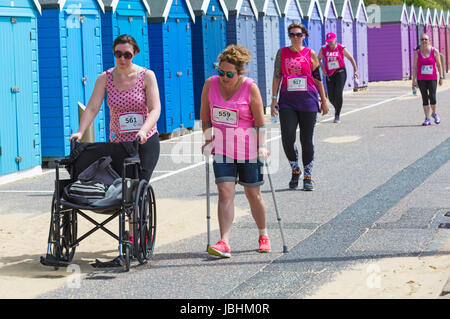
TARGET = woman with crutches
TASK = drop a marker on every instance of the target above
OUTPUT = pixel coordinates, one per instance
(234, 129)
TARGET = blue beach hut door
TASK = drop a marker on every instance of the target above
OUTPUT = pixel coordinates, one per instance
(180, 74)
(136, 27)
(16, 122)
(82, 67)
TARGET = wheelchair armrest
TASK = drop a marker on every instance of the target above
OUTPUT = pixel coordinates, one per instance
(132, 160)
(64, 161)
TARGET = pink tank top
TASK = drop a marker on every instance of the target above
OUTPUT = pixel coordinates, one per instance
(333, 59)
(128, 109)
(296, 68)
(426, 67)
(233, 122)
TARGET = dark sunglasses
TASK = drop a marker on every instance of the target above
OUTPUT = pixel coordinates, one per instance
(424, 39)
(298, 35)
(229, 74)
(127, 55)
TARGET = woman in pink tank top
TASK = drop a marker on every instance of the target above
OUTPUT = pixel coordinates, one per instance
(234, 130)
(426, 64)
(331, 58)
(297, 76)
(133, 100)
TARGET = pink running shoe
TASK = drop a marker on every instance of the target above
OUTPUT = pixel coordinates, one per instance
(220, 249)
(264, 244)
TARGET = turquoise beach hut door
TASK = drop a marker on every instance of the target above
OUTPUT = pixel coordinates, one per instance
(136, 27)
(16, 123)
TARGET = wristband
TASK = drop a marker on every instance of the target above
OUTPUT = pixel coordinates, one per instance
(274, 97)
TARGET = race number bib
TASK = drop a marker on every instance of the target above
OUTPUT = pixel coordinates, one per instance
(427, 69)
(130, 122)
(333, 65)
(297, 84)
(225, 116)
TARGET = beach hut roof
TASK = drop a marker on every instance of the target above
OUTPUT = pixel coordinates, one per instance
(60, 4)
(284, 6)
(112, 5)
(327, 6)
(341, 5)
(420, 18)
(441, 18)
(391, 14)
(201, 6)
(234, 7)
(262, 5)
(428, 17)
(411, 13)
(357, 6)
(159, 10)
(308, 6)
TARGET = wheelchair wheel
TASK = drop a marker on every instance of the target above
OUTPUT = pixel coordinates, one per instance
(147, 216)
(63, 233)
(137, 224)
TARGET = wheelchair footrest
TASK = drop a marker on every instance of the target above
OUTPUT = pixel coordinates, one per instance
(116, 262)
(50, 260)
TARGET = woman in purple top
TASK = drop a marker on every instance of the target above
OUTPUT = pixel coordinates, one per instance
(297, 70)
(426, 64)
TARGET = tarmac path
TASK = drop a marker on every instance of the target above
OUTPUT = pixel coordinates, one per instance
(381, 190)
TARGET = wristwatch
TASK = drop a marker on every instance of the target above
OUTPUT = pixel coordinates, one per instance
(274, 97)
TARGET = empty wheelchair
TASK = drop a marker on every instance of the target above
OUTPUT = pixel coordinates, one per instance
(137, 204)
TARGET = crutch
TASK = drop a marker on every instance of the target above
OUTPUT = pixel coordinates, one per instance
(208, 215)
(285, 248)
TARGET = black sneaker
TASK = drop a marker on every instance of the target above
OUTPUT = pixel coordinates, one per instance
(307, 184)
(294, 179)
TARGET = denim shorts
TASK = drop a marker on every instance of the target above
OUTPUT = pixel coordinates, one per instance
(247, 173)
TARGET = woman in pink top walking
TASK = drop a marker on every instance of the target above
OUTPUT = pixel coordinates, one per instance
(333, 66)
(426, 64)
(234, 129)
(133, 100)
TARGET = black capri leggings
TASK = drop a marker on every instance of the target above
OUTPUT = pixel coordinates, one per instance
(289, 121)
(428, 91)
(335, 89)
(149, 155)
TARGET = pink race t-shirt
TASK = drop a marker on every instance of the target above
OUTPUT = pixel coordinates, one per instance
(234, 132)
(333, 59)
(426, 67)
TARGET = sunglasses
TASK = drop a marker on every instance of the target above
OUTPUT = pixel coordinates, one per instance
(298, 35)
(229, 74)
(424, 39)
(127, 55)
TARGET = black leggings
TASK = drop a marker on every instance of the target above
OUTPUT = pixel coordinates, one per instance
(149, 155)
(428, 91)
(335, 89)
(289, 121)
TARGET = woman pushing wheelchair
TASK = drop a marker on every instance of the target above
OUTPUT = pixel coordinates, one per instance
(133, 100)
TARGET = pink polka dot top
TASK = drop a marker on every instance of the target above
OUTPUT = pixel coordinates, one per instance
(128, 108)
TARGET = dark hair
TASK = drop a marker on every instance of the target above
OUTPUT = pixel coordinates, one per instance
(125, 38)
(298, 25)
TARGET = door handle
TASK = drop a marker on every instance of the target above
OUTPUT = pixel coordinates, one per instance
(179, 74)
(84, 79)
(15, 89)
(216, 65)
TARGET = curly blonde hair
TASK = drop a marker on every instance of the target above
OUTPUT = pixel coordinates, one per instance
(237, 55)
